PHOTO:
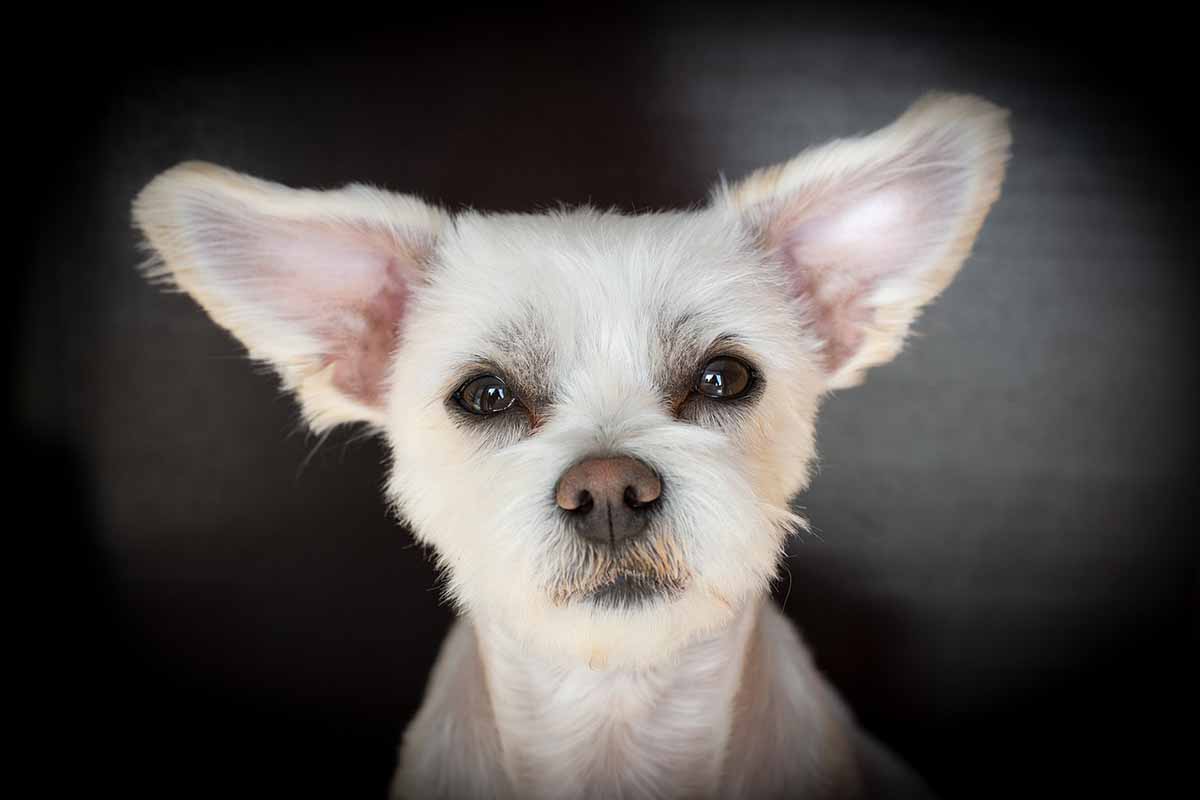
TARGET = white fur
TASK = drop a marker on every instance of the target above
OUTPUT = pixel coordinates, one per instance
(813, 271)
(500, 722)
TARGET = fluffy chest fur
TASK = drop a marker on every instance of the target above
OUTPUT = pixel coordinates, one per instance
(742, 714)
(654, 732)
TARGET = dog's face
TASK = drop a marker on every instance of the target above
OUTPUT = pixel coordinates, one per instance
(597, 421)
(592, 334)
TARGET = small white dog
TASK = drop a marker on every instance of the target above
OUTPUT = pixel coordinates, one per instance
(597, 422)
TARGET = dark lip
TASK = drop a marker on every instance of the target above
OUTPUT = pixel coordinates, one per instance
(628, 591)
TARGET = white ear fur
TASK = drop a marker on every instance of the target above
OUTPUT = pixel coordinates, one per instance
(313, 283)
(873, 228)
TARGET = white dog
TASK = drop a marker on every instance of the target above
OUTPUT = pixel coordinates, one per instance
(597, 422)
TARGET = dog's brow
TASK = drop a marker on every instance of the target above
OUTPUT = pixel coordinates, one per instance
(520, 351)
(686, 344)
(530, 385)
(682, 342)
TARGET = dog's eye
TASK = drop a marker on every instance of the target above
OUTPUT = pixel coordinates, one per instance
(485, 395)
(724, 378)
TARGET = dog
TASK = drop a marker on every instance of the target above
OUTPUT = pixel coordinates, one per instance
(597, 422)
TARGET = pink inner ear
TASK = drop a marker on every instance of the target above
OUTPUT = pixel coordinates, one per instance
(838, 320)
(336, 292)
(840, 249)
(350, 287)
(838, 257)
(362, 352)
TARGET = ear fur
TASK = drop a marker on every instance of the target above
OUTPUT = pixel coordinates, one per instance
(315, 283)
(871, 229)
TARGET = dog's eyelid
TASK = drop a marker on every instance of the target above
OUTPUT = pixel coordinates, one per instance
(467, 370)
(523, 399)
(727, 344)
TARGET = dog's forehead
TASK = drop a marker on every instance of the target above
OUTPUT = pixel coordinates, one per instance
(553, 289)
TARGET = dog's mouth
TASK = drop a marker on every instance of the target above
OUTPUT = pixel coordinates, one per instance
(622, 577)
(630, 591)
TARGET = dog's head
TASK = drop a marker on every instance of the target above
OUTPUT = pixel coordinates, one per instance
(596, 420)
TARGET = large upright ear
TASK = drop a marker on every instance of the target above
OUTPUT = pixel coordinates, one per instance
(871, 229)
(313, 283)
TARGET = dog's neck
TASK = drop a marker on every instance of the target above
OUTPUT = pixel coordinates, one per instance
(653, 731)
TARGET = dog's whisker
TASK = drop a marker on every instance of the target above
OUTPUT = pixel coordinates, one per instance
(308, 458)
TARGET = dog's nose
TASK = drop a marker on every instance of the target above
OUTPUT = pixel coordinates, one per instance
(608, 497)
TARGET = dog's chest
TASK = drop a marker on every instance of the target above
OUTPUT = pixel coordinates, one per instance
(643, 733)
(585, 733)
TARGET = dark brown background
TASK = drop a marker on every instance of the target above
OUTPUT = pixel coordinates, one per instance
(1005, 583)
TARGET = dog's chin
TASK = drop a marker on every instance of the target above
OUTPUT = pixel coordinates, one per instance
(627, 623)
(618, 592)
(628, 591)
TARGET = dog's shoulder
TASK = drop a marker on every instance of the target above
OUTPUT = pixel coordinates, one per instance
(793, 734)
(452, 748)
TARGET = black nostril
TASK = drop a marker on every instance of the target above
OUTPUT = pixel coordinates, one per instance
(584, 503)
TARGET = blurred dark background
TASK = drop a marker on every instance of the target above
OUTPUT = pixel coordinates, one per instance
(1005, 583)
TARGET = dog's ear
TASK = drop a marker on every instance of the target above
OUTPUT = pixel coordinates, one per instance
(313, 283)
(871, 229)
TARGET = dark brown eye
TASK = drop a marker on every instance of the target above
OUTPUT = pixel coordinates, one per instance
(485, 395)
(724, 378)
